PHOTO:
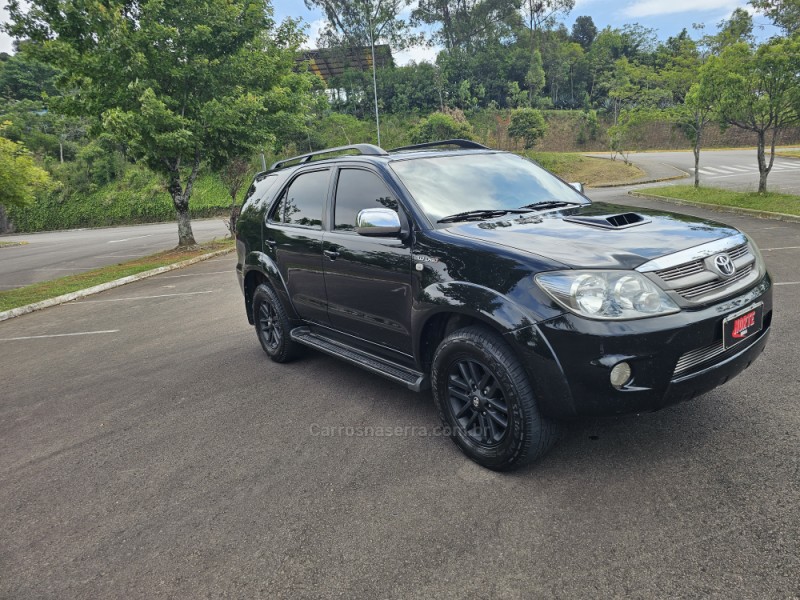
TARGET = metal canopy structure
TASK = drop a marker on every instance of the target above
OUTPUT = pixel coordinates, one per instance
(332, 62)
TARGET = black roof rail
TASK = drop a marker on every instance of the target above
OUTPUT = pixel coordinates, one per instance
(460, 143)
(366, 149)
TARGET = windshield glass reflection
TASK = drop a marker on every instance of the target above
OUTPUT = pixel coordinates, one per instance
(446, 185)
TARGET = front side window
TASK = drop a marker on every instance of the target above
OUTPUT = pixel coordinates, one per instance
(303, 201)
(446, 185)
(357, 190)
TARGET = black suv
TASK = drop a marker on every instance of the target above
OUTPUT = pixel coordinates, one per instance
(480, 275)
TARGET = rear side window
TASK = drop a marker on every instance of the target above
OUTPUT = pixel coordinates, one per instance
(259, 188)
(355, 191)
(302, 202)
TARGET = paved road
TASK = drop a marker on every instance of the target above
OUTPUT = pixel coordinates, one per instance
(58, 253)
(731, 169)
(161, 455)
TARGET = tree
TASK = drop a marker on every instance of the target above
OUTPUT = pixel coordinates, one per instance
(784, 13)
(692, 116)
(233, 175)
(757, 90)
(466, 24)
(738, 28)
(20, 177)
(584, 31)
(440, 126)
(528, 124)
(183, 84)
(360, 22)
(25, 78)
(535, 78)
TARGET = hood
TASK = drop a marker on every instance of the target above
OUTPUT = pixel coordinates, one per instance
(583, 237)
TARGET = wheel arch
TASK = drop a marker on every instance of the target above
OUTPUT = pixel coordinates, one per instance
(462, 306)
(260, 268)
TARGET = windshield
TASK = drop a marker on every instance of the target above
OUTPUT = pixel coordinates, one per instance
(448, 185)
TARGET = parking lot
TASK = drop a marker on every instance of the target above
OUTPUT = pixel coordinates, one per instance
(148, 449)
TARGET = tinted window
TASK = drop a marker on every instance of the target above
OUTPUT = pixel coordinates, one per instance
(355, 191)
(302, 202)
(260, 187)
(446, 185)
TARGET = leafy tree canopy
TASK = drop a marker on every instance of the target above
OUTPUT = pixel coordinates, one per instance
(20, 177)
(181, 83)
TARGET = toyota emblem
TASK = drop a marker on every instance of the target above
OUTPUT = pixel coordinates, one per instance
(724, 265)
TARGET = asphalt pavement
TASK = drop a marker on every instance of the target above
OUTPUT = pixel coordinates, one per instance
(149, 449)
(53, 254)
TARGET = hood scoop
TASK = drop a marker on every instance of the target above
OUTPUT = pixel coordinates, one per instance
(620, 221)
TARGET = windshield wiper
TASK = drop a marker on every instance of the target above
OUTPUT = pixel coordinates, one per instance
(478, 215)
(549, 204)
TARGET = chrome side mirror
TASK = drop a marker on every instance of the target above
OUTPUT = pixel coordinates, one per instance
(378, 222)
(578, 186)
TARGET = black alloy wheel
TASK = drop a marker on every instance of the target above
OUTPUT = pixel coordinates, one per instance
(477, 402)
(269, 325)
(273, 325)
(486, 401)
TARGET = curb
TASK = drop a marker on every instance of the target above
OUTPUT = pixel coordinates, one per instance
(29, 308)
(734, 210)
(630, 183)
(683, 174)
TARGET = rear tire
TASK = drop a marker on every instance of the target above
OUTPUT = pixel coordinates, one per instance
(486, 401)
(273, 325)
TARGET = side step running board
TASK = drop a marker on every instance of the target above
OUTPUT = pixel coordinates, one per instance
(412, 379)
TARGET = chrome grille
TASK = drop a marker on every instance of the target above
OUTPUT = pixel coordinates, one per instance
(694, 281)
(696, 357)
(682, 271)
(738, 252)
(704, 288)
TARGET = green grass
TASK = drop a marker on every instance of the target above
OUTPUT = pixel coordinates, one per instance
(778, 203)
(72, 283)
(590, 171)
(788, 153)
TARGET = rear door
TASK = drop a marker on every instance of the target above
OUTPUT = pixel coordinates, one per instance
(368, 280)
(293, 236)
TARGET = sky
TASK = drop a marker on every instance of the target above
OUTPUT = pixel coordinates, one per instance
(667, 17)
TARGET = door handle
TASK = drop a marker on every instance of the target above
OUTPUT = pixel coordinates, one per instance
(271, 243)
(332, 254)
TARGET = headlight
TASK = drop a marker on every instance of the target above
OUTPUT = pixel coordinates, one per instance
(607, 294)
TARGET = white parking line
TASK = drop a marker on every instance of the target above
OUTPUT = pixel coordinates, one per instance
(55, 335)
(138, 298)
(138, 237)
(62, 269)
(120, 255)
(784, 248)
(196, 274)
(788, 283)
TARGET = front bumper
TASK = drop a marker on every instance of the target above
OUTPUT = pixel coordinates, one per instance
(569, 358)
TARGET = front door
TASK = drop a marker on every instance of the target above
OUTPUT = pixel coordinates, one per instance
(368, 280)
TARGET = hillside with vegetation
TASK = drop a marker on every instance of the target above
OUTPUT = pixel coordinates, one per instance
(101, 133)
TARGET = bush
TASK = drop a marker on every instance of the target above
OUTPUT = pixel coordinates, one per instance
(528, 124)
(439, 126)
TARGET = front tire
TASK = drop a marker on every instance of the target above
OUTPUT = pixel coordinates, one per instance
(273, 325)
(485, 400)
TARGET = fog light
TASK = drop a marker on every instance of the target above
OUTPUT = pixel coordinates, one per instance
(620, 374)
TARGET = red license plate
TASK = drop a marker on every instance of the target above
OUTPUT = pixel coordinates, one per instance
(744, 324)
